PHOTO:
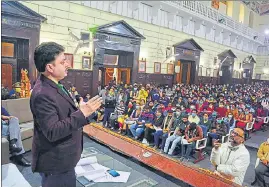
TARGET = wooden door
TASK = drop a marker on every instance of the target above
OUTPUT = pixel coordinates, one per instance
(178, 75)
(7, 75)
(124, 75)
(188, 73)
(185, 72)
(108, 75)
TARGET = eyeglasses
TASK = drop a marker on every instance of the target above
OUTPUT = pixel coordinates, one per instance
(236, 134)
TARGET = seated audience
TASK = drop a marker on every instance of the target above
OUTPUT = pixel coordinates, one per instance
(218, 131)
(11, 129)
(205, 124)
(193, 132)
(244, 119)
(221, 110)
(176, 137)
(146, 117)
(193, 118)
(171, 121)
(119, 111)
(155, 128)
(132, 119)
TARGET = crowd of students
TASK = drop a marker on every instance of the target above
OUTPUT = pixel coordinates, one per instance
(168, 118)
(152, 114)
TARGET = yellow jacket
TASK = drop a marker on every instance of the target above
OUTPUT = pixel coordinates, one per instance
(142, 94)
(263, 152)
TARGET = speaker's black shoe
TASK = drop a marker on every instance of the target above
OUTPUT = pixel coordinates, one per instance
(20, 160)
(13, 148)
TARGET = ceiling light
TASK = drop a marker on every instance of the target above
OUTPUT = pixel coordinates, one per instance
(266, 31)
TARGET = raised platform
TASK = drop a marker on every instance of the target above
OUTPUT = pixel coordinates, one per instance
(194, 176)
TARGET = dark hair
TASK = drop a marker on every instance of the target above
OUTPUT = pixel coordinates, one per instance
(193, 126)
(77, 97)
(46, 53)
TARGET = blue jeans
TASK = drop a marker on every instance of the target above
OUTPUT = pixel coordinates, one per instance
(175, 139)
(157, 136)
(190, 147)
(107, 113)
(165, 136)
(136, 131)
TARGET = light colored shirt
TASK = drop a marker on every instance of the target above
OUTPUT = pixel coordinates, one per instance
(195, 119)
(232, 161)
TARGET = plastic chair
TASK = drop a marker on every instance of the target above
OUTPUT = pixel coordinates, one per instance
(199, 147)
(225, 138)
(265, 123)
(249, 127)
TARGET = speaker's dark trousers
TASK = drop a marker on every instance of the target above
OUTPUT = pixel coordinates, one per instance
(67, 179)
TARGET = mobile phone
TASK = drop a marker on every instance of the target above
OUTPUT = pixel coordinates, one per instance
(84, 181)
(113, 173)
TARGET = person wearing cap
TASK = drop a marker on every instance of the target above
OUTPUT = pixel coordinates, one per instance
(231, 159)
(58, 122)
(263, 166)
(193, 132)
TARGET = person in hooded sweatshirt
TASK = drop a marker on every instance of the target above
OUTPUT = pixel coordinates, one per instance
(231, 159)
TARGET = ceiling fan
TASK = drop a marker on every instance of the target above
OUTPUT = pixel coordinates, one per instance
(83, 40)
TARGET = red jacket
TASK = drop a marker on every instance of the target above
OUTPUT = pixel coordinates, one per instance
(221, 111)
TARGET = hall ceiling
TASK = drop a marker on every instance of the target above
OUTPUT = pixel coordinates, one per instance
(260, 7)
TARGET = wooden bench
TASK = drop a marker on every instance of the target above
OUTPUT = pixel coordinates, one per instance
(19, 108)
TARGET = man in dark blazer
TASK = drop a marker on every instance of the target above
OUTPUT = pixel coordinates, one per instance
(58, 123)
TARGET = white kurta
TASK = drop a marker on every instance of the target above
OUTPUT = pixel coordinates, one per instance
(231, 160)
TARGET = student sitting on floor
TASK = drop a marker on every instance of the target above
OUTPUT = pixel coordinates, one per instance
(155, 128)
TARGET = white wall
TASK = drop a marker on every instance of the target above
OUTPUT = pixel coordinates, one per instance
(62, 15)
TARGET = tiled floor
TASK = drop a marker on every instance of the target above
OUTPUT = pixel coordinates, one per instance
(142, 170)
(257, 138)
